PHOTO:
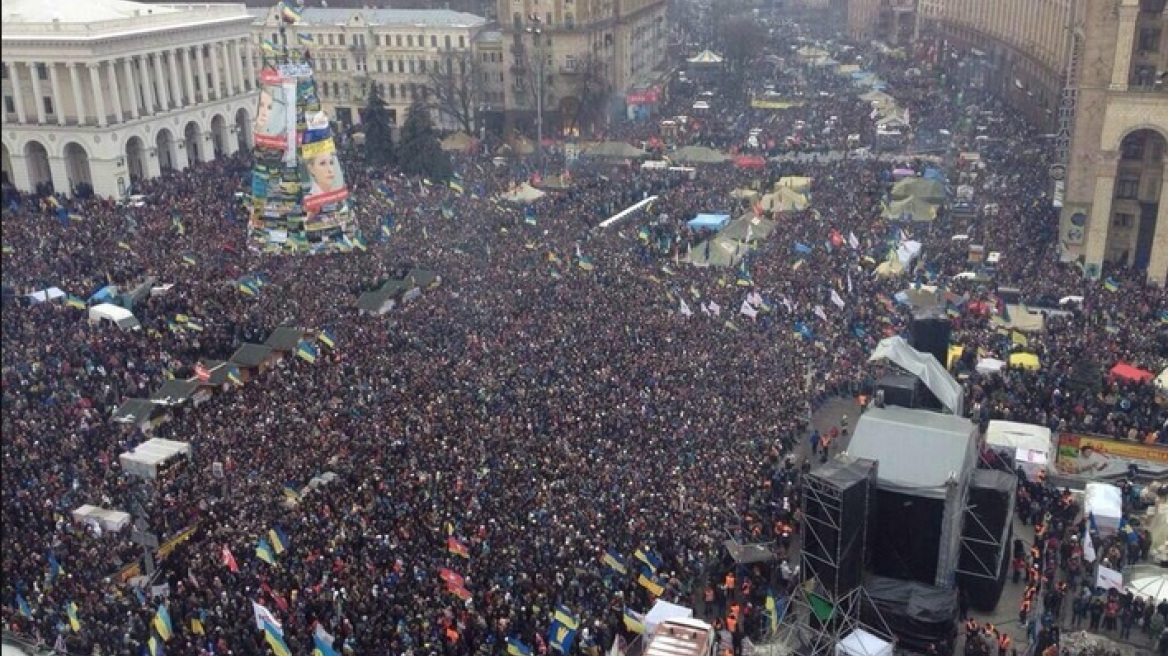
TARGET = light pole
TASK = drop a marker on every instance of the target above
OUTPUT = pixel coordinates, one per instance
(537, 45)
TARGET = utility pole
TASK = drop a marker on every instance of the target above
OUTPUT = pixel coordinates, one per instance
(535, 30)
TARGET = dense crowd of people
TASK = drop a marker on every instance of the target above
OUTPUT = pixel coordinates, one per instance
(494, 440)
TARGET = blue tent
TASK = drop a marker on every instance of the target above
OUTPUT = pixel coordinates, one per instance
(104, 294)
(934, 174)
(712, 222)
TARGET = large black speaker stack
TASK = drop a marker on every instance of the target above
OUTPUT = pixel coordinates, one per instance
(931, 331)
(985, 541)
(835, 522)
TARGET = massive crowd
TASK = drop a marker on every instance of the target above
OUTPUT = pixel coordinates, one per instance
(536, 412)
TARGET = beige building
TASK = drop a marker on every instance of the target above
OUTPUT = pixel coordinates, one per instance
(101, 92)
(1091, 73)
(890, 21)
(620, 44)
(393, 48)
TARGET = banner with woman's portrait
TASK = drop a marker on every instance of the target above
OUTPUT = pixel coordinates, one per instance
(275, 120)
(321, 176)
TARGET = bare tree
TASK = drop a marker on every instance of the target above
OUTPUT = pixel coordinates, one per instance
(592, 89)
(453, 84)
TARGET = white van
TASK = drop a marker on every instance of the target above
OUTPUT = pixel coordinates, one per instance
(117, 315)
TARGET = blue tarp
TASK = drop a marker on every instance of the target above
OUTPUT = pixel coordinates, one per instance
(714, 222)
(934, 174)
(104, 294)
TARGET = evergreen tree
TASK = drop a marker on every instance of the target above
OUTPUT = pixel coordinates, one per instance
(378, 132)
(419, 152)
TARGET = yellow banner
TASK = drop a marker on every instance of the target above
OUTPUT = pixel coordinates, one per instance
(759, 103)
(170, 545)
(318, 148)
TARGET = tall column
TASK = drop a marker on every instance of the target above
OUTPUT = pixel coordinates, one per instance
(250, 62)
(237, 66)
(115, 89)
(188, 76)
(228, 69)
(38, 100)
(216, 79)
(161, 87)
(202, 66)
(176, 82)
(1125, 40)
(78, 99)
(131, 86)
(1158, 262)
(17, 91)
(55, 87)
(147, 86)
(98, 96)
(1099, 224)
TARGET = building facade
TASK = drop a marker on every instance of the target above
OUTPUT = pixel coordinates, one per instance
(1092, 72)
(101, 93)
(575, 53)
(397, 49)
(890, 21)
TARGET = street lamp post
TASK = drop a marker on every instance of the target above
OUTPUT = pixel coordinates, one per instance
(537, 45)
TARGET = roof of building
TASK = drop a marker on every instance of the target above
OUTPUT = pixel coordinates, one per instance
(415, 17)
(77, 11)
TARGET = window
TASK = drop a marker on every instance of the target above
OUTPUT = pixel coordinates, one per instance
(359, 39)
(1127, 188)
(378, 65)
(344, 63)
(569, 62)
(413, 67)
(399, 41)
(9, 105)
(1132, 149)
(4, 72)
(569, 21)
(376, 39)
(433, 40)
(275, 37)
(1150, 39)
(340, 39)
(393, 91)
(549, 19)
(448, 41)
(48, 102)
(409, 41)
(360, 64)
(345, 91)
(461, 42)
(1123, 221)
(330, 40)
(42, 72)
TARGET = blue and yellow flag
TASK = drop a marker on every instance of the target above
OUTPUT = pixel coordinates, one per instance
(268, 47)
(279, 540)
(614, 562)
(517, 648)
(306, 352)
(290, 12)
(326, 338)
(649, 582)
(586, 263)
(55, 569)
(646, 555)
(634, 622)
(304, 38)
(162, 623)
(562, 633)
(1111, 285)
(22, 605)
(71, 612)
(457, 187)
(772, 612)
(197, 626)
(233, 375)
(154, 646)
(291, 491)
(264, 552)
(276, 640)
(75, 302)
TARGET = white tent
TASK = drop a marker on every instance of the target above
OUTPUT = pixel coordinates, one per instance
(662, 611)
(1105, 503)
(990, 366)
(862, 643)
(1029, 444)
(45, 295)
(115, 314)
(925, 367)
(147, 457)
(108, 520)
(524, 194)
(1148, 582)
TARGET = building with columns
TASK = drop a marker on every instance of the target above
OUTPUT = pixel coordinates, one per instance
(1093, 74)
(98, 93)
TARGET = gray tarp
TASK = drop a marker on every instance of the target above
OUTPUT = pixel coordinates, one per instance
(925, 367)
(917, 450)
(745, 554)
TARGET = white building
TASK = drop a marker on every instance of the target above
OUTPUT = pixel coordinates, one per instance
(393, 48)
(101, 92)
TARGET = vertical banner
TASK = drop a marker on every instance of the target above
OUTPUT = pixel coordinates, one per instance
(272, 127)
(289, 89)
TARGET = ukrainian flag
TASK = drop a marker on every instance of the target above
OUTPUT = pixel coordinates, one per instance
(233, 375)
(386, 229)
(322, 643)
(647, 581)
(634, 622)
(646, 555)
(304, 38)
(194, 325)
(275, 640)
(564, 616)
(197, 626)
(162, 623)
(22, 605)
(279, 540)
(75, 302)
(290, 13)
(614, 562)
(516, 648)
(326, 338)
(264, 552)
(1111, 285)
(268, 47)
(586, 263)
(154, 646)
(359, 243)
(772, 612)
(55, 569)
(246, 286)
(306, 352)
(457, 187)
(291, 492)
(71, 611)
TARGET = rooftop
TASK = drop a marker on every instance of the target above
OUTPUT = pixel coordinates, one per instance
(82, 20)
(412, 17)
(77, 11)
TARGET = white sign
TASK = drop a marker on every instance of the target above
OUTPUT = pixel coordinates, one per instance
(1109, 579)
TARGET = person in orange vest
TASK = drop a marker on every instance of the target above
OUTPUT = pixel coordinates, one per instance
(970, 628)
(730, 586)
(1004, 644)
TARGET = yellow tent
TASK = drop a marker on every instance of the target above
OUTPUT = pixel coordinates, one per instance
(1025, 361)
(798, 183)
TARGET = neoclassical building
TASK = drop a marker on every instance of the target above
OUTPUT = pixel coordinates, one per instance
(103, 92)
(1092, 73)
